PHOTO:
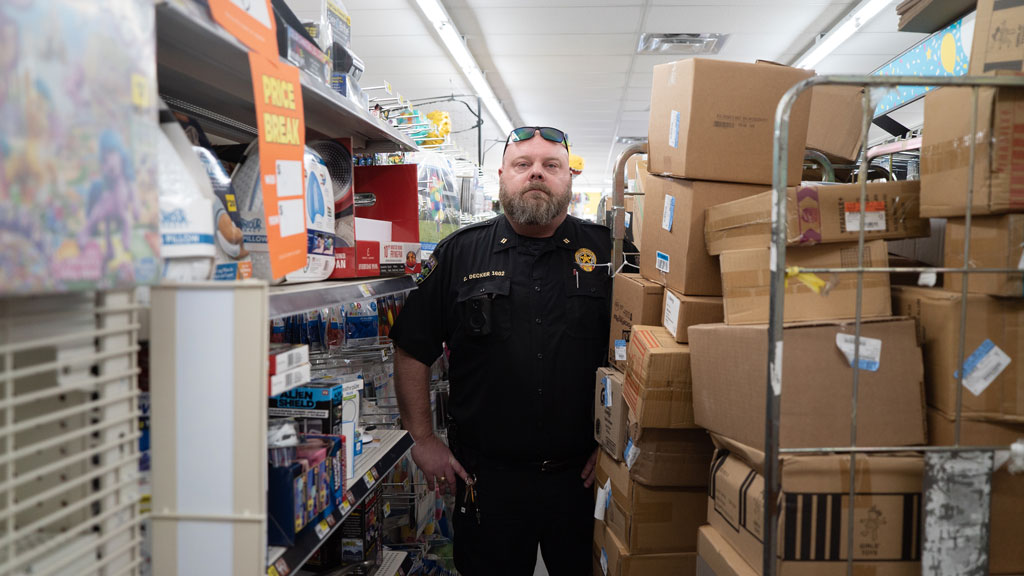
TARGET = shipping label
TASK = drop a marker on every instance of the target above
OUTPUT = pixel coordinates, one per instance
(668, 215)
(661, 262)
(983, 366)
(671, 318)
(874, 216)
(869, 355)
(673, 129)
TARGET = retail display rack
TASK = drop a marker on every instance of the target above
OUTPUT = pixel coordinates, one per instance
(209, 394)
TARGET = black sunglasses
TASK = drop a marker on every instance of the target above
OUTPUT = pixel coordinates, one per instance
(526, 132)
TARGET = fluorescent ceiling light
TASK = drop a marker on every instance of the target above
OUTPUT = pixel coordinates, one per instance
(857, 18)
(438, 17)
(685, 44)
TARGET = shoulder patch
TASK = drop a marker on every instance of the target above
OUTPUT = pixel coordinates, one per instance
(428, 267)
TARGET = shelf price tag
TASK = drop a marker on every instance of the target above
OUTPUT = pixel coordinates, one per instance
(369, 478)
(252, 22)
(345, 507)
(277, 92)
(322, 529)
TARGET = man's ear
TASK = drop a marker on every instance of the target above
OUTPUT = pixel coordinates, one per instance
(499, 172)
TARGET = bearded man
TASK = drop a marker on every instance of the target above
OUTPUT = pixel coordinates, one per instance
(522, 303)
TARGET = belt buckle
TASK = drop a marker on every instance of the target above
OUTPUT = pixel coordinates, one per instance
(546, 466)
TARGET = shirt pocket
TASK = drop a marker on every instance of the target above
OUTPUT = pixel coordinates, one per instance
(484, 309)
(587, 307)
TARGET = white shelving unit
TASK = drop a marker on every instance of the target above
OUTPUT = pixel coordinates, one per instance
(69, 496)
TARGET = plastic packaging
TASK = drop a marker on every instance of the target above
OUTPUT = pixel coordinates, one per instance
(319, 222)
(232, 260)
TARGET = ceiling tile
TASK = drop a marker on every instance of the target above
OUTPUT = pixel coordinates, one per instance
(525, 66)
(561, 44)
(370, 48)
(402, 22)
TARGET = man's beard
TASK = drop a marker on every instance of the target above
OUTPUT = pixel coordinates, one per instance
(539, 209)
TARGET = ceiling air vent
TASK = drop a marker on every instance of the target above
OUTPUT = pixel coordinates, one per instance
(627, 140)
(683, 44)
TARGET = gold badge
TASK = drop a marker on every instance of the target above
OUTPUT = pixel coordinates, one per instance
(586, 259)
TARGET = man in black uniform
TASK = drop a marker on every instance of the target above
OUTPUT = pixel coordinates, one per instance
(522, 303)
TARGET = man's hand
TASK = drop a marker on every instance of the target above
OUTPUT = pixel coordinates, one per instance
(590, 470)
(436, 462)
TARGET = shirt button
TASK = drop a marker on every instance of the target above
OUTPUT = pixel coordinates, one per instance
(538, 321)
(540, 356)
(536, 288)
(481, 289)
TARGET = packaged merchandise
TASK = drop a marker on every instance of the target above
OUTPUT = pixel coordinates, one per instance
(681, 311)
(635, 300)
(612, 558)
(658, 387)
(993, 346)
(945, 152)
(337, 156)
(730, 377)
(359, 540)
(649, 520)
(835, 124)
(186, 218)
(391, 225)
(996, 242)
(815, 496)
(319, 221)
(610, 412)
(705, 113)
(674, 254)
(79, 198)
(670, 458)
(1006, 555)
(996, 46)
(232, 261)
(321, 406)
(746, 284)
(286, 380)
(319, 218)
(818, 214)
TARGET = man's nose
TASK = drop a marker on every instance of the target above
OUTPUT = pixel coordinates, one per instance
(536, 173)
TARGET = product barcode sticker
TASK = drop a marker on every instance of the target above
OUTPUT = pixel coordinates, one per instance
(322, 529)
(668, 215)
(673, 129)
(869, 355)
(670, 319)
(606, 394)
(661, 261)
(874, 216)
(604, 562)
(983, 366)
(602, 496)
(620, 350)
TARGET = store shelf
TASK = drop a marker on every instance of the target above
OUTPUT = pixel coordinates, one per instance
(203, 67)
(396, 563)
(288, 300)
(371, 466)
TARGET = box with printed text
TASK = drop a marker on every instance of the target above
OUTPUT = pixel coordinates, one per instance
(635, 300)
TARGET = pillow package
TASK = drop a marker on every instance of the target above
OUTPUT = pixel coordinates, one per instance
(319, 214)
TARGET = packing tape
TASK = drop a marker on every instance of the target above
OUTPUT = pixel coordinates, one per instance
(952, 154)
(812, 281)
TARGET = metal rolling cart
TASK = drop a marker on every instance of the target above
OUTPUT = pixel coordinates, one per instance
(939, 461)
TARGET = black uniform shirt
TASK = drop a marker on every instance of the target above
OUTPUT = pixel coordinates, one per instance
(526, 321)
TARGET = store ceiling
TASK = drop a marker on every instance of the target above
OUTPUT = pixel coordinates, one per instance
(572, 63)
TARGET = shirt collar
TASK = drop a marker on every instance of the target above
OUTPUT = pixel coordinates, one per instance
(506, 237)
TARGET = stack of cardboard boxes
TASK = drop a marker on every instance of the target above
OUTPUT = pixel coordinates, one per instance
(993, 398)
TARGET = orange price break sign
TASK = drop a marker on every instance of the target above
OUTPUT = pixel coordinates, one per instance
(282, 140)
(251, 21)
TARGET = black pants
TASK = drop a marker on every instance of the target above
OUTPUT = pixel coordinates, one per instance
(521, 507)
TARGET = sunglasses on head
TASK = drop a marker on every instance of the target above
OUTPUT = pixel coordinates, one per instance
(526, 132)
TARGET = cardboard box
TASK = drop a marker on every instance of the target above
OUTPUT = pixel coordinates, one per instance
(716, 557)
(928, 251)
(818, 214)
(612, 559)
(945, 152)
(998, 321)
(707, 113)
(997, 46)
(635, 300)
(668, 458)
(746, 284)
(673, 252)
(1006, 555)
(610, 412)
(836, 121)
(321, 406)
(634, 219)
(396, 191)
(658, 388)
(996, 242)
(730, 377)
(681, 312)
(815, 499)
(650, 520)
